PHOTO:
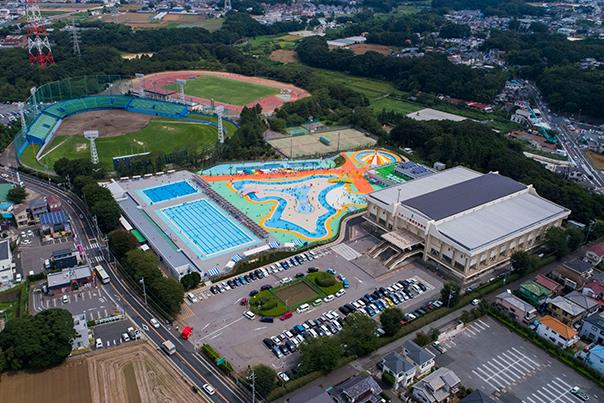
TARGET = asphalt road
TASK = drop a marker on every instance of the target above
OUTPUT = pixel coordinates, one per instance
(194, 366)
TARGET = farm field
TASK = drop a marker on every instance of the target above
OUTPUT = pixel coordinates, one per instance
(133, 372)
(362, 48)
(225, 90)
(284, 56)
(160, 135)
(596, 159)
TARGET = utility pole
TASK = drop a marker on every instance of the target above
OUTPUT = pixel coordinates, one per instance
(142, 281)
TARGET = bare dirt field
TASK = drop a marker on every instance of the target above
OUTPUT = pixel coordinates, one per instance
(136, 372)
(133, 372)
(296, 293)
(284, 56)
(362, 48)
(108, 123)
(310, 144)
(68, 383)
(596, 159)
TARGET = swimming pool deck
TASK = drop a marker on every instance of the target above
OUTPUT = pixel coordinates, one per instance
(305, 205)
(166, 233)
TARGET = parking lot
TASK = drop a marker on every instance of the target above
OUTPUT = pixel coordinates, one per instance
(218, 319)
(489, 357)
(89, 300)
(33, 252)
(111, 333)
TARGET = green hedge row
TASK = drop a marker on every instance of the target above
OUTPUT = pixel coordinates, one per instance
(213, 355)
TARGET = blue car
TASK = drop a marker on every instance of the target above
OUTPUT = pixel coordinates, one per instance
(345, 283)
(243, 280)
(370, 311)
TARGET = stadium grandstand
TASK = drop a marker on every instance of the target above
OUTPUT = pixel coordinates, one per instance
(46, 123)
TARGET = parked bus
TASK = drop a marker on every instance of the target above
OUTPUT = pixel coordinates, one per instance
(102, 274)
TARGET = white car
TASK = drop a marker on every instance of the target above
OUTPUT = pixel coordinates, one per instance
(283, 376)
(99, 343)
(154, 323)
(475, 301)
(340, 293)
(125, 337)
(208, 389)
(329, 298)
(285, 280)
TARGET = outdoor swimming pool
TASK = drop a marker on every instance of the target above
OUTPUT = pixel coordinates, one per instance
(170, 191)
(207, 228)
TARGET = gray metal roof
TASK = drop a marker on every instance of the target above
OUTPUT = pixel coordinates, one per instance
(314, 394)
(478, 396)
(64, 277)
(493, 222)
(579, 265)
(416, 353)
(4, 248)
(463, 196)
(396, 363)
(156, 239)
(596, 319)
(583, 301)
(567, 306)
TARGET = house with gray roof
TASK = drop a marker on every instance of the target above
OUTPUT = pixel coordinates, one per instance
(421, 357)
(357, 389)
(314, 394)
(520, 310)
(575, 273)
(437, 387)
(401, 369)
(584, 301)
(478, 396)
(565, 311)
(592, 328)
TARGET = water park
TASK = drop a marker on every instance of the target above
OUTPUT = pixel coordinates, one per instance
(299, 201)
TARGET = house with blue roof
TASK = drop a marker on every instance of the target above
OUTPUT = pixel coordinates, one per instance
(595, 358)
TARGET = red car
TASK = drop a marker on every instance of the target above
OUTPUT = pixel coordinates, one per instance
(286, 315)
(186, 333)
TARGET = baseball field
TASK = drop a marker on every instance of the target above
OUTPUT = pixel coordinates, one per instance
(225, 90)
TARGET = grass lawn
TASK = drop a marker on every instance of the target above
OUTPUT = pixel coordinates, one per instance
(395, 105)
(212, 24)
(8, 309)
(165, 135)
(225, 90)
(28, 158)
(326, 290)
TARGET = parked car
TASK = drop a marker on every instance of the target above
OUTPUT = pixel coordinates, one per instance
(286, 315)
(312, 269)
(283, 376)
(266, 287)
(267, 319)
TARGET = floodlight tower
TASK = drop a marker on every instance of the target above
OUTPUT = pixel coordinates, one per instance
(92, 135)
(219, 112)
(181, 90)
(140, 85)
(38, 45)
(227, 5)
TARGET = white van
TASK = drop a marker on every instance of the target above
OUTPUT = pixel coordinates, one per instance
(250, 315)
(303, 308)
(192, 298)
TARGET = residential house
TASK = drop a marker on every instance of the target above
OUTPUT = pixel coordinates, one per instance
(313, 394)
(402, 370)
(548, 283)
(575, 273)
(595, 358)
(565, 310)
(55, 223)
(357, 389)
(593, 328)
(6, 263)
(533, 293)
(437, 387)
(522, 311)
(589, 304)
(594, 289)
(20, 215)
(38, 207)
(421, 357)
(54, 203)
(478, 396)
(556, 332)
(595, 253)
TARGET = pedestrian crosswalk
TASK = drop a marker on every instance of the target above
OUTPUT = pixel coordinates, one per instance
(555, 391)
(345, 251)
(506, 369)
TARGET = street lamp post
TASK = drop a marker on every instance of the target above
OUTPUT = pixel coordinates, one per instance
(142, 281)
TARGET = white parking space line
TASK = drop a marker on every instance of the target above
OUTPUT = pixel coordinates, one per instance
(470, 331)
(222, 328)
(483, 323)
(475, 324)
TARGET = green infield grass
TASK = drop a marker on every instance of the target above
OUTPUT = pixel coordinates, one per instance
(160, 135)
(225, 90)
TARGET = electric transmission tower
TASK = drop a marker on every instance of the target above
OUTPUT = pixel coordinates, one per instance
(38, 45)
(76, 39)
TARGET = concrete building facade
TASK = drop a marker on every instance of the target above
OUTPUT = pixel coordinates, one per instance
(467, 222)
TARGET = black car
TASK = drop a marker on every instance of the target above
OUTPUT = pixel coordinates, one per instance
(268, 343)
(350, 307)
(266, 287)
(253, 292)
(422, 286)
(247, 277)
(376, 295)
(313, 269)
(253, 276)
(267, 319)
(258, 273)
(290, 345)
(294, 331)
(299, 275)
(344, 309)
(284, 349)
(231, 283)
(214, 289)
(383, 291)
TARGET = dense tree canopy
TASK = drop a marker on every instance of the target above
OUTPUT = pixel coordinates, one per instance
(358, 334)
(37, 342)
(321, 354)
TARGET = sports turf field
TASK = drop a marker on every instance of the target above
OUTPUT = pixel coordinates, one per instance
(160, 134)
(225, 90)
